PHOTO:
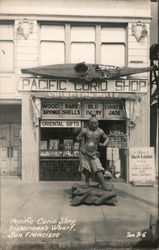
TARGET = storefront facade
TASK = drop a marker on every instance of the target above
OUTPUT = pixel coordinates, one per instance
(51, 112)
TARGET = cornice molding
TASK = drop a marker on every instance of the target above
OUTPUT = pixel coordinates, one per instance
(75, 18)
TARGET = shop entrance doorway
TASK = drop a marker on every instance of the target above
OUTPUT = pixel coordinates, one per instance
(115, 156)
(10, 156)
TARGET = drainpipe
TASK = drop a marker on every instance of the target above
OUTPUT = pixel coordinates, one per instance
(158, 97)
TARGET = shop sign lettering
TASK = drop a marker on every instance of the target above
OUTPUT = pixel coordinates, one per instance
(64, 110)
(89, 107)
(92, 95)
(60, 124)
(141, 164)
(71, 109)
(114, 111)
(122, 85)
(51, 109)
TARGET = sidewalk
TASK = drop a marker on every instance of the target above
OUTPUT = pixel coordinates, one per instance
(46, 206)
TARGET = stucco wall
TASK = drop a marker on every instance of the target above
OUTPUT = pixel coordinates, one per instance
(30, 143)
(136, 8)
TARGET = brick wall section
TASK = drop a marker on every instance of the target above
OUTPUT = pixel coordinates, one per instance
(59, 170)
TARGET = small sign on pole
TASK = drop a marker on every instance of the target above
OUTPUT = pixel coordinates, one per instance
(142, 166)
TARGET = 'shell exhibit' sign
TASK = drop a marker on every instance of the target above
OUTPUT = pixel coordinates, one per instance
(142, 164)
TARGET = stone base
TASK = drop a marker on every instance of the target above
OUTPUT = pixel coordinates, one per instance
(92, 195)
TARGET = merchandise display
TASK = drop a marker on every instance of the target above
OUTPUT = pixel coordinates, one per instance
(59, 148)
(117, 139)
(43, 145)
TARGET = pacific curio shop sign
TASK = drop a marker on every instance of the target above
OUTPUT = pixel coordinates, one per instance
(119, 85)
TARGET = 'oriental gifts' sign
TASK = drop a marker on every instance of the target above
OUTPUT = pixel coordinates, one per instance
(141, 164)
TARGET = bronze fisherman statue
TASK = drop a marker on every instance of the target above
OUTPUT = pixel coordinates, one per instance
(91, 138)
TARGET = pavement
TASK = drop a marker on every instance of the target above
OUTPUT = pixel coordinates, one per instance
(40, 216)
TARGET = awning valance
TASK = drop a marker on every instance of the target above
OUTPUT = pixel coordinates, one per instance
(85, 95)
(132, 103)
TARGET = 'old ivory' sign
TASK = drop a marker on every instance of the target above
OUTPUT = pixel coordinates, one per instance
(142, 164)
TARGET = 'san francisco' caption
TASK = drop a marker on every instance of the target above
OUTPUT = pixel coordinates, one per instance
(40, 228)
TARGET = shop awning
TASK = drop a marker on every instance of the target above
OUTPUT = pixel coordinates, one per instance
(85, 95)
(132, 102)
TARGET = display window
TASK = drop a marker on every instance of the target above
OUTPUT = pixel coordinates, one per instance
(60, 124)
(59, 142)
(59, 154)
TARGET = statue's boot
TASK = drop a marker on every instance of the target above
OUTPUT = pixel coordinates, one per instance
(87, 177)
(102, 181)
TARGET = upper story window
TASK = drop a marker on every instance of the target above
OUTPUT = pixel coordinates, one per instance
(74, 43)
(113, 46)
(52, 44)
(6, 48)
(82, 44)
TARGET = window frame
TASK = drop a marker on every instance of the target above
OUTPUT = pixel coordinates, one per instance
(97, 41)
(85, 25)
(51, 41)
(125, 27)
(91, 43)
(13, 43)
(115, 43)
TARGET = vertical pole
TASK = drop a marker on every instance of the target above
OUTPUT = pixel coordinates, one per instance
(98, 45)
(127, 153)
(68, 43)
(158, 94)
(127, 107)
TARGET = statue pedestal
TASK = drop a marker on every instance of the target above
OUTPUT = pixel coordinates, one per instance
(92, 195)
